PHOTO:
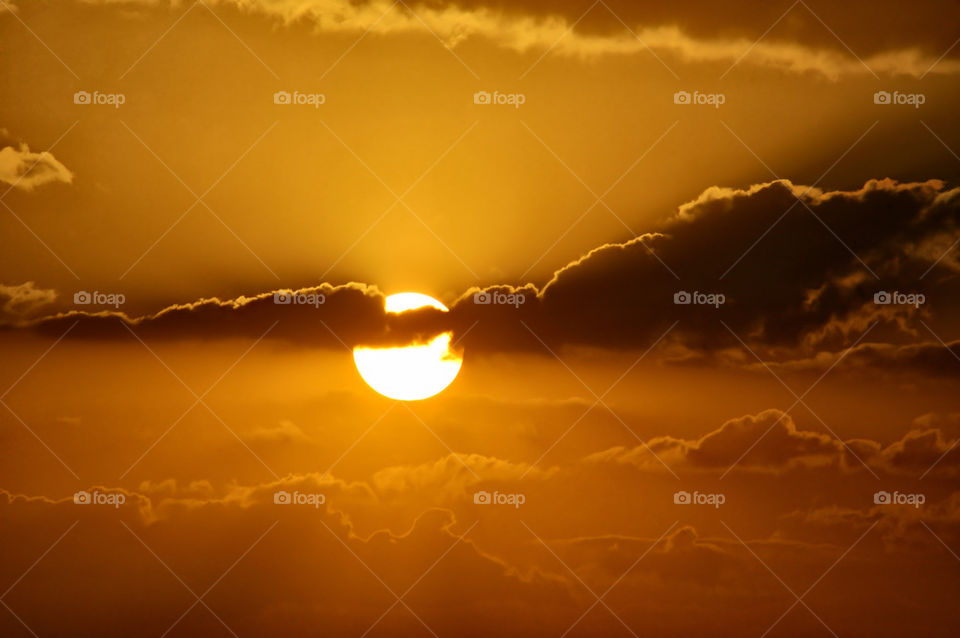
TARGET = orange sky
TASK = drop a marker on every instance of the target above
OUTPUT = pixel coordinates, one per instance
(792, 167)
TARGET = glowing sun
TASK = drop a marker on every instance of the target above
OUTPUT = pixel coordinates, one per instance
(414, 372)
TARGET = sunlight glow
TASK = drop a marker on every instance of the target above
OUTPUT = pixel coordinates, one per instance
(404, 301)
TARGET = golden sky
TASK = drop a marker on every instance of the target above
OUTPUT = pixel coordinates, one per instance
(701, 252)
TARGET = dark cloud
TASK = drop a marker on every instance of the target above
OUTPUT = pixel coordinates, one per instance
(795, 269)
(930, 358)
(799, 283)
(325, 315)
(922, 450)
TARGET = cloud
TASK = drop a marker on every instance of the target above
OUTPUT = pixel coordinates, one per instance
(23, 300)
(899, 526)
(922, 450)
(787, 280)
(326, 315)
(931, 358)
(25, 169)
(622, 28)
(451, 474)
(684, 557)
(791, 288)
(269, 567)
(770, 442)
(870, 29)
(283, 431)
(586, 524)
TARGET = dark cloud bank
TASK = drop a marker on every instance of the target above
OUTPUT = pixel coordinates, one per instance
(797, 268)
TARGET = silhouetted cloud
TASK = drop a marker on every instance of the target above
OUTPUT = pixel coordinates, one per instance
(786, 279)
(796, 270)
(325, 315)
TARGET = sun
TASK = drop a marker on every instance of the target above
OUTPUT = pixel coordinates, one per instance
(414, 372)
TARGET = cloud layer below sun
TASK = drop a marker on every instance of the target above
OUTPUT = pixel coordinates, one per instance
(335, 563)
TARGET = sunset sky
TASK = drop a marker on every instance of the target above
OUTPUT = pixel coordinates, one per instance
(700, 261)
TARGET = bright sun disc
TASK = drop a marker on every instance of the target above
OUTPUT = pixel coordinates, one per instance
(410, 373)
